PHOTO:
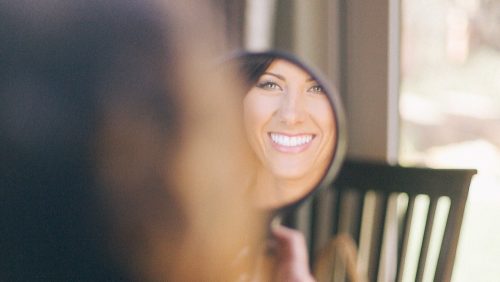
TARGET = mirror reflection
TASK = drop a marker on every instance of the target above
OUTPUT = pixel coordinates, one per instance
(290, 125)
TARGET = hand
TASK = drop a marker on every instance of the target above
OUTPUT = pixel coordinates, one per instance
(292, 263)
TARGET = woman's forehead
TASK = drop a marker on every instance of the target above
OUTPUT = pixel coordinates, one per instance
(287, 70)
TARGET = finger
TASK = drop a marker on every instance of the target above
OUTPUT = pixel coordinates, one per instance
(292, 243)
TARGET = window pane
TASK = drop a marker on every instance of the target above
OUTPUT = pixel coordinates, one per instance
(450, 112)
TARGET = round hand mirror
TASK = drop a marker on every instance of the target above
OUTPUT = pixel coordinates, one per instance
(294, 124)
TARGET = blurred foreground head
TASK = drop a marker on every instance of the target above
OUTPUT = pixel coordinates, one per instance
(121, 151)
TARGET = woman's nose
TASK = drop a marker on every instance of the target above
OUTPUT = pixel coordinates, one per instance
(292, 108)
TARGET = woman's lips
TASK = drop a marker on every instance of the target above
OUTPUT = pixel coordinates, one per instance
(290, 143)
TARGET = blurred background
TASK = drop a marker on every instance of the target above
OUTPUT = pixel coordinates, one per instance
(420, 80)
(450, 112)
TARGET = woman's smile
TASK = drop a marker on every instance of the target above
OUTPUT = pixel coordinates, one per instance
(287, 143)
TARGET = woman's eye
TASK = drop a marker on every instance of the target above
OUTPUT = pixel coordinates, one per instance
(316, 89)
(268, 85)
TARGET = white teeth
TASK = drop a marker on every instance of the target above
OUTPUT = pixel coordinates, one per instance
(291, 141)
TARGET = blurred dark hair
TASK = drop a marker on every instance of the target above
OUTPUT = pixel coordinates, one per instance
(84, 88)
(253, 66)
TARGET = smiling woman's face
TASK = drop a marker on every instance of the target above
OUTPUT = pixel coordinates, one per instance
(290, 124)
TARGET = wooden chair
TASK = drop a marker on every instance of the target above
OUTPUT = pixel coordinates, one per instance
(374, 203)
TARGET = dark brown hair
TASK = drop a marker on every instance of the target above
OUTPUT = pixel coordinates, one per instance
(252, 66)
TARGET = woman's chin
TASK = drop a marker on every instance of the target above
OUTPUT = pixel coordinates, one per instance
(295, 177)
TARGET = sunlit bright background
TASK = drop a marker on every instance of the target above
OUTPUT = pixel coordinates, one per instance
(450, 113)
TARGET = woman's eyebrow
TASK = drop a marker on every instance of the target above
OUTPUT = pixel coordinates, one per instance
(275, 75)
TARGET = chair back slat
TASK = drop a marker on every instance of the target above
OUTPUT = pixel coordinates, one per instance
(323, 210)
(336, 211)
(405, 237)
(451, 234)
(424, 250)
(351, 206)
(377, 234)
